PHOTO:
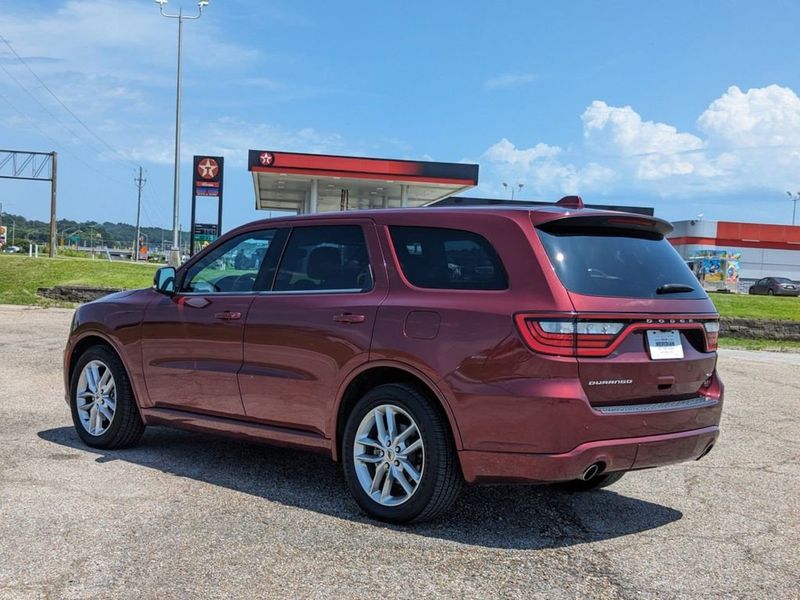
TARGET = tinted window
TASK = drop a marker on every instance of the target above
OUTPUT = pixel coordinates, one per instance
(230, 267)
(433, 257)
(328, 257)
(617, 263)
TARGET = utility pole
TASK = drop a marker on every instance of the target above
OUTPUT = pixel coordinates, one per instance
(139, 183)
(53, 234)
(175, 252)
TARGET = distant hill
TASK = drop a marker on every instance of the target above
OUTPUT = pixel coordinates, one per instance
(113, 235)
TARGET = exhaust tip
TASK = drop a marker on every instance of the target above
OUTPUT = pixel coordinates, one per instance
(706, 451)
(592, 471)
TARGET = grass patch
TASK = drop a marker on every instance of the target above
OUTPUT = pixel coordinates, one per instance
(20, 276)
(757, 307)
(772, 345)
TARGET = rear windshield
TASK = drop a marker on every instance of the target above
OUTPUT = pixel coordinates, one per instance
(623, 264)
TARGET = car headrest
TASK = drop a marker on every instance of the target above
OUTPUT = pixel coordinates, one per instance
(323, 262)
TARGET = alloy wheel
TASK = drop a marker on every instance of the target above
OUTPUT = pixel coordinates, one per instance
(96, 397)
(389, 455)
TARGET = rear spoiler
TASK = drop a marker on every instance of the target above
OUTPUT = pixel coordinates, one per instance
(607, 221)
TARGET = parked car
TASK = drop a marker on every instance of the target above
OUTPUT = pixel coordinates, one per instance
(775, 286)
(422, 348)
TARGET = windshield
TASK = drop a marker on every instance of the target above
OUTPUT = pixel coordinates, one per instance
(619, 263)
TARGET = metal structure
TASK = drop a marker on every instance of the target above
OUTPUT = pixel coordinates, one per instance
(34, 166)
(175, 253)
(794, 198)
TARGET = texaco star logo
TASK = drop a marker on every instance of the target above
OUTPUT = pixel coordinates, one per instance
(207, 168)
(266, 159)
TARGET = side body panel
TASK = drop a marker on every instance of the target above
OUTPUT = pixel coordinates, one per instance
(299, 346)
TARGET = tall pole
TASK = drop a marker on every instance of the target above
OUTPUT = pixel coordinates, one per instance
(139, 183)
(175, 252)
(53, 179)
(794, 198)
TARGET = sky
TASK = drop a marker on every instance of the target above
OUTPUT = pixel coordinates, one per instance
(689, 107)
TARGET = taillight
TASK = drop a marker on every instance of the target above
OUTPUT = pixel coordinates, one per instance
(712, 334)
(568, 337)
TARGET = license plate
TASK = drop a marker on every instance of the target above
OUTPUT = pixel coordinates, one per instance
(664, 344)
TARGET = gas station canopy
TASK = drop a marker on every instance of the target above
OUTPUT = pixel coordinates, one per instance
(309, 183)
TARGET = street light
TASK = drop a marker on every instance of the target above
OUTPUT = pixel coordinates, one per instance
(794, 198)
(511, 187)
(175, 253)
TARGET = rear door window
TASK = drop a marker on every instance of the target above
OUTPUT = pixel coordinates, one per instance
(433, 257)
(325, 258)
(619, 263)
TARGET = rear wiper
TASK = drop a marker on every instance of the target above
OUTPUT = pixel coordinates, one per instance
(674, 288)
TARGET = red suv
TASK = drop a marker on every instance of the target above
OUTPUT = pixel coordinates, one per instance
(422, 348)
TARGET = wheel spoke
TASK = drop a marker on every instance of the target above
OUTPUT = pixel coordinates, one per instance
(85, 394)
(93, 420)
(401, 479)
(386, 492)
(106, 412)
(405, 433)
(412, 447)
(369, 458)
(410, 469)
(368, 441)
(391, 425)
(380, 425)
(111, 402)
(86, 406)
(105, 381)
(95, 377)
(380, 471)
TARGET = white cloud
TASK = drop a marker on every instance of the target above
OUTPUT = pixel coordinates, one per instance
(539, 168)
(232, 138)
(745, 141)
(759, 117)
(508, 80)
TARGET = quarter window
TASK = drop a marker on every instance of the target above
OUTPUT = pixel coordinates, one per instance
(232, 266)
(325, 258)
(433, 257)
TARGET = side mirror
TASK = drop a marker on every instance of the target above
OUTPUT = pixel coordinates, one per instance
(164, 280)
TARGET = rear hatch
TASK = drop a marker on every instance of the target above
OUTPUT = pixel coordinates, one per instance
(643, 329)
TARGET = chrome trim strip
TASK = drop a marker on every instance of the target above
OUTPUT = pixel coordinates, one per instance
(623, 409)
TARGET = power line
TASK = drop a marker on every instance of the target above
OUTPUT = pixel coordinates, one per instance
(64, 106)
(56, 143)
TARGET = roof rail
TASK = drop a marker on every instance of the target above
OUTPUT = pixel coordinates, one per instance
(571, 202)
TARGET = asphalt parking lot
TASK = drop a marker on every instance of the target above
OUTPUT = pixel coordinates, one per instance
(185, 515)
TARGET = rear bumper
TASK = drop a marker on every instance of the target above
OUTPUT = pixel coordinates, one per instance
(617, 455)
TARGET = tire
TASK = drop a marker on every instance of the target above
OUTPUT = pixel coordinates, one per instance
(595, 483)
(435, 462)
(125, 426)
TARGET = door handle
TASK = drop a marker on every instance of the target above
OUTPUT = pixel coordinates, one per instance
(228, 315)
(349, 318)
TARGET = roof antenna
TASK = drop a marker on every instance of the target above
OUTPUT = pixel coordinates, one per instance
(571, 202)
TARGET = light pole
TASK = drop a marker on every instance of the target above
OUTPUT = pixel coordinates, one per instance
(175, 252)
(511, 187)
(794, 198)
